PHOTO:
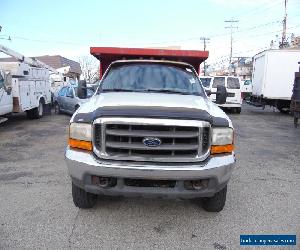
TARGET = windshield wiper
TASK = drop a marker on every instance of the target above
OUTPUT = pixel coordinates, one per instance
(116, 90)
(170, 91)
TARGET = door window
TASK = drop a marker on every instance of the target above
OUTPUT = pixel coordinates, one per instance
(218, 81)
(233, 83)
(89, 93)
(70, 92)
(63, 91)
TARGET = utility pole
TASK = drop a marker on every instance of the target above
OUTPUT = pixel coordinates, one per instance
(231, 27)
(204, 39)
(283, 38)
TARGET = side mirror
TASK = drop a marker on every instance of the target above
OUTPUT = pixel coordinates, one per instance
(8, 90)
(81, 89)
(221, 95)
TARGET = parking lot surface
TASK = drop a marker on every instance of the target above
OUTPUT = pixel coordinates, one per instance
(36, 208)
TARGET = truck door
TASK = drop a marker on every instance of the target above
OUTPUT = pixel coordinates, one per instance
(233, 90)
(217, 81)
(70, 100)
(6, 101)
(61, 98)
(24, 90)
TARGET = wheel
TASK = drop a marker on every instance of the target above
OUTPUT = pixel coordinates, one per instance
(57, 108)
(37, 112)
(215, 203)
(238, 110)
(295, 122)
(83, 199)
(283, 107)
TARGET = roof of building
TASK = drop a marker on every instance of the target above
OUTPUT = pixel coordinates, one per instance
(56, 62)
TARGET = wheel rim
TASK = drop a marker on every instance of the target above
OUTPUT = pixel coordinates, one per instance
(40, 109)
(56, 108)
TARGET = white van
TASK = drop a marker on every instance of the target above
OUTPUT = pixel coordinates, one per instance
(206, 81)
(233, 87)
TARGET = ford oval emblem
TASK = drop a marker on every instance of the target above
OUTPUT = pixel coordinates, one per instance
(151, 142)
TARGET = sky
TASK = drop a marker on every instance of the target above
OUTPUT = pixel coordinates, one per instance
(69, 28)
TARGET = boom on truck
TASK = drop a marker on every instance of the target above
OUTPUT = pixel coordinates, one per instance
(24, 85)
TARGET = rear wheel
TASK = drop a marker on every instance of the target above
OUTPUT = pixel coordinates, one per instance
(37, 112)
(215, 203)
(238, 110)
(83, 199)
(295, 122)
(57, 108)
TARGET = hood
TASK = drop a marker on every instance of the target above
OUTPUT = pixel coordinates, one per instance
(167, 104)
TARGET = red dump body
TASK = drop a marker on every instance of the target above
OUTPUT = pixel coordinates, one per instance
(107, 55)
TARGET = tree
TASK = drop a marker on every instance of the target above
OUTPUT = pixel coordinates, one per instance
(90, 68)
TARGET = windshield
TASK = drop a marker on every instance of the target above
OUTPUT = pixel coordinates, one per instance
(152, 78)
(205, 82)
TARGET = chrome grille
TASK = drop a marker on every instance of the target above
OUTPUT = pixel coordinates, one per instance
(122, 139)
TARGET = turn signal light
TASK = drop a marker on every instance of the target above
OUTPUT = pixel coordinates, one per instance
(86, 145)
(221, 149)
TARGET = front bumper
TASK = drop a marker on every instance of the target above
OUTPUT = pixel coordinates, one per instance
(230, 105)
(82, 165)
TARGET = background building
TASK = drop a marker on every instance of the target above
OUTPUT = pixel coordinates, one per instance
(56, 62)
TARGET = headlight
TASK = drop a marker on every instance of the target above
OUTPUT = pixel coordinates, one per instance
(222, 136)
(222, 140)
(81, 131)
(80, 136)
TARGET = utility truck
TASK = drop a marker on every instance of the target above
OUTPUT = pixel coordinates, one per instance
(24, 85)
(150, 130)
(273, 78)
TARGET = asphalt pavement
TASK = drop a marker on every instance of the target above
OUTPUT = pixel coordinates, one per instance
(37, 212)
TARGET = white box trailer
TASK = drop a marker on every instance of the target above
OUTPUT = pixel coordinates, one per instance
(273, 77)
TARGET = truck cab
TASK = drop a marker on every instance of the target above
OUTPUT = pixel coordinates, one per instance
(6, 101)
(150, 130)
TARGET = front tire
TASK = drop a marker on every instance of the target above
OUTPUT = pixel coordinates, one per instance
(83, 199)
(215, 203)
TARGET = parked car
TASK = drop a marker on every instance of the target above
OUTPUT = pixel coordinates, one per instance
(246, 88)
(206, 82)
(234, 94)
(68, 101)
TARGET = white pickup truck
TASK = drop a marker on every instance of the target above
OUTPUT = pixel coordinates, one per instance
(151, 130)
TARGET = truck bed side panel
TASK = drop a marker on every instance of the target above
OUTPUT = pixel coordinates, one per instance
(280, 74)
